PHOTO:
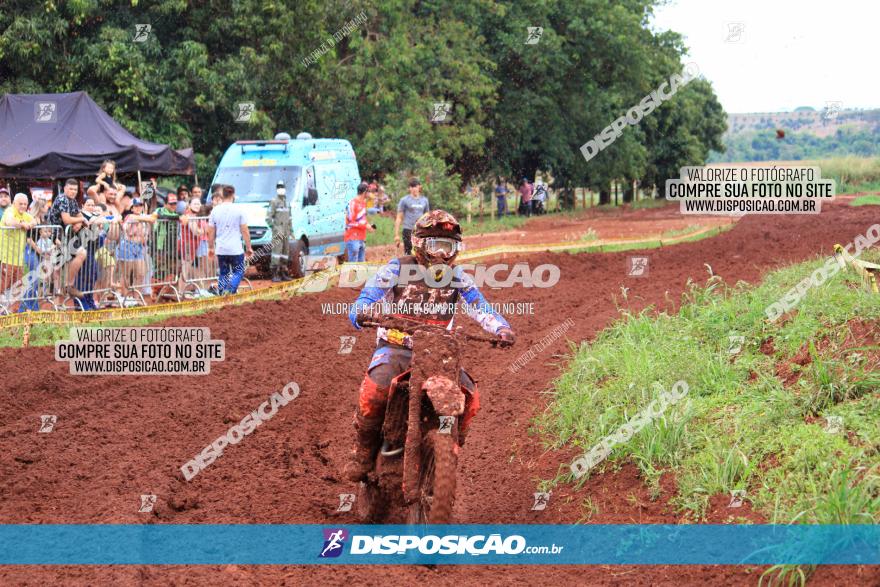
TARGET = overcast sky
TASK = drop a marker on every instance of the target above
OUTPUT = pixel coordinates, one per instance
(790, 52)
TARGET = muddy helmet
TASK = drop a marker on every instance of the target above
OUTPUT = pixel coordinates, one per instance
(436, 238)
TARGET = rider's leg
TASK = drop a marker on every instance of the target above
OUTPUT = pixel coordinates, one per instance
(471, 405)
(368, 426)
(387, 363)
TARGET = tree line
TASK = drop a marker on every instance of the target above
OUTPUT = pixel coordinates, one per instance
(526, 83)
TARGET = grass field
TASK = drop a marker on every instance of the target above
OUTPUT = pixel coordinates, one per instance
(744, 424)
(853, 174)
(871, 200)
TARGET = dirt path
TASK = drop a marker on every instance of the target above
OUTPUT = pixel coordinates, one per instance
(623, 222)
(120, 437)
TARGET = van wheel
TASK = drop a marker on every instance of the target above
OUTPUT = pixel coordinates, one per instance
(298, 252)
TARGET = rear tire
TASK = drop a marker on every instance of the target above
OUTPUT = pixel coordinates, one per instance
(297, 264)
(437, 481)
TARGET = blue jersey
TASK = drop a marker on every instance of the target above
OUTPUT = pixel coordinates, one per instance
(381, 289)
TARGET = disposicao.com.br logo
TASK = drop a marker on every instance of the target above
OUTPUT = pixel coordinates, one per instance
(334, 542)
(477, 545)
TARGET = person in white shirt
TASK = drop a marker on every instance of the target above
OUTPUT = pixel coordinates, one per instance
(227, 228)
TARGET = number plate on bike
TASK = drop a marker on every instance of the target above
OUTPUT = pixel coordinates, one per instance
(395, 336)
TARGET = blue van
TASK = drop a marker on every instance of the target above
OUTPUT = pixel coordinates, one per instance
(321, 176)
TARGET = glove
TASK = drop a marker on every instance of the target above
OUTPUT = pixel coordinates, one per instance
(507, 337)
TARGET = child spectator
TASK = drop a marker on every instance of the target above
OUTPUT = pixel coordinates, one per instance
(106, 178)
(46, 246)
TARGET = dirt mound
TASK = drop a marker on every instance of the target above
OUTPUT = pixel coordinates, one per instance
(119, 437)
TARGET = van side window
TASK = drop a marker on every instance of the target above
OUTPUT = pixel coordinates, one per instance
(311, 196)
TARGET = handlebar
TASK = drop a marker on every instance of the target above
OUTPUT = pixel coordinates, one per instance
(415, 325)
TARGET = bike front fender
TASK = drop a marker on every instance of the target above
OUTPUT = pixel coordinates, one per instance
(445, 395)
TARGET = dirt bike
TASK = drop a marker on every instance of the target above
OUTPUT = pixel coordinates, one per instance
(416, 466)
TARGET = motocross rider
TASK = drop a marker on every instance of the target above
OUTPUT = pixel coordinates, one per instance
(436, 241)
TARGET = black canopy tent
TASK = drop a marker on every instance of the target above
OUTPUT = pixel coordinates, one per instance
(51, 136)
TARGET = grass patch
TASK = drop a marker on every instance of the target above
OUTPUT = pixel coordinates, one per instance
(384, 233)
(739, 426)
(674, 232)
(47, 334)
(650, 203)
(486, 225)
(852, 174)
(871, 200)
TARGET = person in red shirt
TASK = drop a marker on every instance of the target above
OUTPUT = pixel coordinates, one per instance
(356, 226)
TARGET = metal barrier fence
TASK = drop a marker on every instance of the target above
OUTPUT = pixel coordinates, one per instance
(200, 273)
(89, 264)
(109, 264)
(28, 279)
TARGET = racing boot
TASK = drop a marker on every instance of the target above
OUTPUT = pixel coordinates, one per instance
(362, 459)
(285, 275)
(276, 274)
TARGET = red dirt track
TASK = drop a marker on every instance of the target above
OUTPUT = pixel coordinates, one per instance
(119, 437)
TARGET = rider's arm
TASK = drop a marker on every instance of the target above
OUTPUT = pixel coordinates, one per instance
(377, 289)
(478, 308)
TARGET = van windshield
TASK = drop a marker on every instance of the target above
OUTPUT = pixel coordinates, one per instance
(257, 184)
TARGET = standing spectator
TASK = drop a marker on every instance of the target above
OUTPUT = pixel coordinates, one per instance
(85, 280)
(5, 202)
(409, 209)
(65, 212)
(227, 228)
(197, 193)
(372, 198)
(15, 223)
(216, 197)
(382, 198)
(193, 243)
(38, 209)
(105, 255)
(501, 197)
(356, 226)
(525, 194)
(166, 238)
(117, 203)
(32, 254)
(183, 197)
(278, 219)
(539, 200)
(131, 251)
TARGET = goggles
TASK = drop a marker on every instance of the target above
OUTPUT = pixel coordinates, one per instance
(446, 247)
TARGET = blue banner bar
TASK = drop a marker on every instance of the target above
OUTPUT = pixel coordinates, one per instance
(642, 544)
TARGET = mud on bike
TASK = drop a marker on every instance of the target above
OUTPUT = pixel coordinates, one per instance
(416, 465)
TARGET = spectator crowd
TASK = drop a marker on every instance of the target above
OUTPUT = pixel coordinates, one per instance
(102, 245)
